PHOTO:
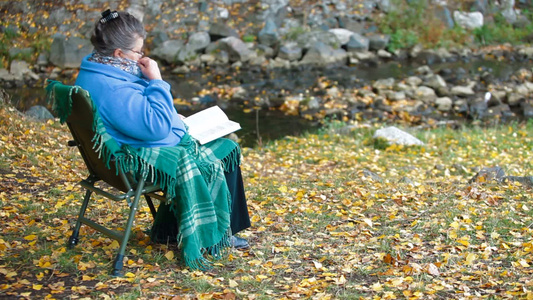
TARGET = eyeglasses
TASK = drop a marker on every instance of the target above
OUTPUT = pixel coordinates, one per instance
(141, 53)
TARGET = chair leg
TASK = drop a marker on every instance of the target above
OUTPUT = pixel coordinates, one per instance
(150, 205)
(118, 264)
(73, 240)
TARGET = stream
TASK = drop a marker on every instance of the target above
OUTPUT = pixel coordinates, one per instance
(264, 124)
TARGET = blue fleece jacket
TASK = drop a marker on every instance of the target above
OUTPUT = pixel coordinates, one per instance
(134, 111)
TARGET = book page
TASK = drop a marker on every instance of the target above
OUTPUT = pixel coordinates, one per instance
(210, 124)
(205, 119)
(216, 132)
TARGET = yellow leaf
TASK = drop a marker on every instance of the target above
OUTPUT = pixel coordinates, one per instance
(233, 283)
(30, 237)
(463, 242)
(341, 280)
(454, 225)
(523, 263)
(282, 189)
(470, 258)
(169, 255)
(37, 287)
(129, 275)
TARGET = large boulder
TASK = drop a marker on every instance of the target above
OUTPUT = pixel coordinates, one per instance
(468, 20)
(322, 54)
(269, 35)
(220, 30)
(198, 41)
(168, 50)
(309, 39)
(357, 43)
(397, 136)
(290, 51)
(343, 35)
(67, 52)
(235, 47)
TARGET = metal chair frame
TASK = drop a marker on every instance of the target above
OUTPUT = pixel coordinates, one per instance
(128, 187)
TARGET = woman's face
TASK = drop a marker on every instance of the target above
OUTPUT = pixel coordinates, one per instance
(135, 53)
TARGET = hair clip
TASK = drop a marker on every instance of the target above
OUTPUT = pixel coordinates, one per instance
(108, 16)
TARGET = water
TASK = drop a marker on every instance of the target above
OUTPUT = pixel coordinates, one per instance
(258, 125)
(266, 124)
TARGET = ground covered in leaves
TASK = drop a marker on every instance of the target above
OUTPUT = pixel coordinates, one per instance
(335, 215)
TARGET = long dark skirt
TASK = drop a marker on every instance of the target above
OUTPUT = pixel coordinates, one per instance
(165, 227)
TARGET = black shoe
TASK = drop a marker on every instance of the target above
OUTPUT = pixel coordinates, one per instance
(239, 243)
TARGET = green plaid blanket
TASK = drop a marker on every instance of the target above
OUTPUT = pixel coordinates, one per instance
(190, 174)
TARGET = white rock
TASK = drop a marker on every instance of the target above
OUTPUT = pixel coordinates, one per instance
(397, 136)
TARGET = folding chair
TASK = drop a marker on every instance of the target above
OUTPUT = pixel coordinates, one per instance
(124, 186)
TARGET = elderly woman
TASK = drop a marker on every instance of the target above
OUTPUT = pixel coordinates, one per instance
(136, 108)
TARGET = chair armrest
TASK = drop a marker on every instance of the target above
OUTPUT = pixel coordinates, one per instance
(72, 143)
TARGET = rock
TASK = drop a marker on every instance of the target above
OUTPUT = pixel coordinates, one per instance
(509, 12)
(207, 58)
(462, 91)
(488, 174)
(383, 84)
(18, 69)
(444, 104)
(275, 10)
(396, 136)
(443, 13)
(384, 53)
(425, 94)
(434, 81)
(237, 49)
(198, 41)
(362, 56)
(220, 30)
(468, 20)
(396, 96)
(69, 52)
(269, 35)
(266, 51)
(290, 51)
(527, 52)
(5, 75)
(343, 35)
(309, 39)
(322, 54)
(524, 180)
(372, 175)
(378, 41)
(39, 113)
(527, 110)
(357, 43)
(186, 54)
(405, 180)
(514, 99)
(502, 110)
(168, 50)
(413, 81)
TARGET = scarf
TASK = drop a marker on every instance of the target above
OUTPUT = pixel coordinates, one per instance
(190, 174)
(125, 64)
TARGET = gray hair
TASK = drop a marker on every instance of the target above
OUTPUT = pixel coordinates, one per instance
(117, 33)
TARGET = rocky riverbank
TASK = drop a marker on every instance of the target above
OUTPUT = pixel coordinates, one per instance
(298, 56)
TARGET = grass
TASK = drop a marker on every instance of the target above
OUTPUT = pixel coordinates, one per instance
(321, 226)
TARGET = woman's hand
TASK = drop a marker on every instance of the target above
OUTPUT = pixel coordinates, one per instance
(149, 68)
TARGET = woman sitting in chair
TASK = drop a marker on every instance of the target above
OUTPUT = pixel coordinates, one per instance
(137, 110)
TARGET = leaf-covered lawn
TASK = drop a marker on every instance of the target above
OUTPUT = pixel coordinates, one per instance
(335, 215)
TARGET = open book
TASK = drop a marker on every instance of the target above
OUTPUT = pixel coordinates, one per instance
(210, 124)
